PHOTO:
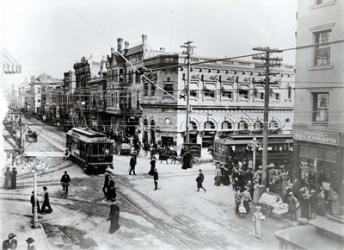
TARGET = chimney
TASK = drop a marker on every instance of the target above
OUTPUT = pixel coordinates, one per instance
(112, 50)
(119, 43)
(126, 45)
(144, 39)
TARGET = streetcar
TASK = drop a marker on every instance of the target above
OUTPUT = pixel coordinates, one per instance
(89, 149)
(241, 147)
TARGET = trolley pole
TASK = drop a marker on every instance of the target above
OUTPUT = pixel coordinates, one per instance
(189, 50)
(268, 62)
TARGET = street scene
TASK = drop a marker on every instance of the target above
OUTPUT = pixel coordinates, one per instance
(209, 142)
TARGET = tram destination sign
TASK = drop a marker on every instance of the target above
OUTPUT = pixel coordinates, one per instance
(317, 136)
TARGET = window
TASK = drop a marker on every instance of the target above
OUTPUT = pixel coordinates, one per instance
(242, 125)
(145, 89)
(138, 77)
(193, 94)
(320, 107)
(209, 125)
(227, 95)
(276, 96)
(168, 88)
(209, 94)
(289, 92)
(121, 76)
(226, 125)
(243, 94)
(322, 53)
(153, 87)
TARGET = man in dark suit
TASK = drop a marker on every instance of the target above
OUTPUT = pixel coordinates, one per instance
(132, 164)
(32, 200)
(156, 178)
(65, 179)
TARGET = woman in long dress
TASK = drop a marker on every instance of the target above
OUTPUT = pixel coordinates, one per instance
(113, 217)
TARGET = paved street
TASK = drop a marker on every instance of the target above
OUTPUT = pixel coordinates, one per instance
(175, 216)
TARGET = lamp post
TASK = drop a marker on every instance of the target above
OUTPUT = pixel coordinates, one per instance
(254, 145)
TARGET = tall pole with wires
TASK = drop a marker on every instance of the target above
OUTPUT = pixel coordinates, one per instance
(268, 62)
(189, 50)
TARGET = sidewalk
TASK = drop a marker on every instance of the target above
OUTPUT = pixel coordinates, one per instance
(14, 220)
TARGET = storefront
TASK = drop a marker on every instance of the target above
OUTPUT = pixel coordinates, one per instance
(318, 159)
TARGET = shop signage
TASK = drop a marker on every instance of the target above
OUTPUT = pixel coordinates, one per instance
(316, 136)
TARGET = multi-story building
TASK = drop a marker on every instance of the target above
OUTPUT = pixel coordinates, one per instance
(34, 95)
(225, 100)
(85, 70)
(319, 116)
(65, 99)
(124, 84)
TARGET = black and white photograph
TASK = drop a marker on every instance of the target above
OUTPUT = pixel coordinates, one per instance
(172, 124)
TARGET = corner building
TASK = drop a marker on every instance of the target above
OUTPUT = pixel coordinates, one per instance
(319, 116)
(224, 97)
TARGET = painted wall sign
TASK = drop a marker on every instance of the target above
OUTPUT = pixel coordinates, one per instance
(316, 136)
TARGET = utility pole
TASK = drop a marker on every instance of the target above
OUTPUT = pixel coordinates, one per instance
(268, 62)
(189, 51)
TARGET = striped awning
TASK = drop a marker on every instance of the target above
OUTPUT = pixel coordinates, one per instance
(9, 64)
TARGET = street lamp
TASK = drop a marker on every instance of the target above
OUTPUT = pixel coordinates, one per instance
(34, 167)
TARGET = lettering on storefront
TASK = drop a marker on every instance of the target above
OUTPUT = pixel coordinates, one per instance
(324, 137)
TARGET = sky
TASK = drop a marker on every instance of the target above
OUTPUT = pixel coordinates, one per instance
(51, 35)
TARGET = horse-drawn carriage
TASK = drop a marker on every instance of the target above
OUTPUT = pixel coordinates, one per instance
(31, 136)
(168, 154)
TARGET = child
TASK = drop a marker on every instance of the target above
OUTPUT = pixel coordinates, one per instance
(257, 225)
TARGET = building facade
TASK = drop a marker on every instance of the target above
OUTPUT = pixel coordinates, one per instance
(319, 116)
(226, 98)
(124, 84)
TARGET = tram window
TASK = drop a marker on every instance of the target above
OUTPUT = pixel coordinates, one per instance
(101, 149)
(82, 147)
(88, 149)
(107, 149)
(94, 149)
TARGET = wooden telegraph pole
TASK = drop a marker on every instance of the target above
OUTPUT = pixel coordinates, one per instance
(268, 62)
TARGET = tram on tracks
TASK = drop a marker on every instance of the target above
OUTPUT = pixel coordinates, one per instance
(89, 149)
(241, 147)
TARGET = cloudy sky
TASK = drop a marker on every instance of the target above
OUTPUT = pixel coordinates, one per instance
(50, 35)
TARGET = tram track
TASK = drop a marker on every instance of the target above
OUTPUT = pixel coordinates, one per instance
(82, 205)
(182, 234)
(181, 225)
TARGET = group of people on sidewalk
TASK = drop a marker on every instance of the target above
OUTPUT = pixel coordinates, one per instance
(46, 207)
(11, 243)
(10, 178)
(311, 200)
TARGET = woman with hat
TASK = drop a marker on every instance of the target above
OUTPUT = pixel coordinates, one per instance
(11, 243)
(30, 244)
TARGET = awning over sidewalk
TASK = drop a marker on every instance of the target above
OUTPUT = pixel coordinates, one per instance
(10, 65)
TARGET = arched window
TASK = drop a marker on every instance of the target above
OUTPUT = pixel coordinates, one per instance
(208, 125)
(274, 124)
(258, 125)
(192, 125)
(226, 125)
(145, 122)
(242, 125)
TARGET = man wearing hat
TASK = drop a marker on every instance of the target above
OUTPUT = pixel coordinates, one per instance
(30, 244)
(11, 243)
